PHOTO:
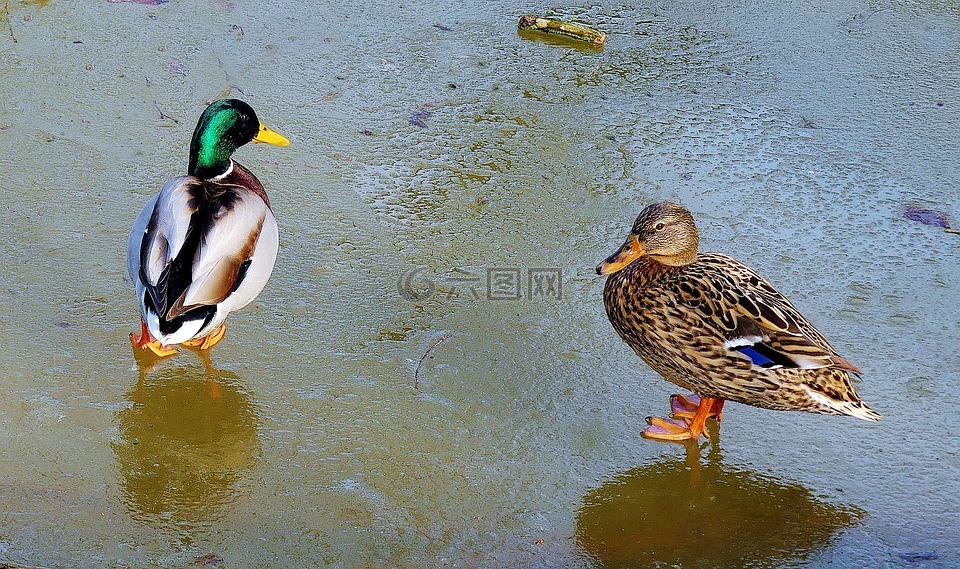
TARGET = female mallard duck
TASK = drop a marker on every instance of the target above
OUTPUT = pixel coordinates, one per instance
(712, 325)
(206, 244)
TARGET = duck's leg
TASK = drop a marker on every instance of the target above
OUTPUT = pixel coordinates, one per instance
(709, 407)
(686, 406)
(209, 341)
(146, 342)
(689, 418)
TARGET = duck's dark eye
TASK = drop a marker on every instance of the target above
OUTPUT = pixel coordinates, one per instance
(660, 226)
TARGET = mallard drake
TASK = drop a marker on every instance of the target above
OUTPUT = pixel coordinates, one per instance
(712, 325)
(206, 244)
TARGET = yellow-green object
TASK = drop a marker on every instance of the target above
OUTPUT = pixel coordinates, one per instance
(552, 26)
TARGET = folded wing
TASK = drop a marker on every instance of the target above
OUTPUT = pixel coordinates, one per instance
(761, 324)
(195, 251)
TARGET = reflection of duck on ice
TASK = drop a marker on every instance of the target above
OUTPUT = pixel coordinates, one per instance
(184, 443)
(690, 514)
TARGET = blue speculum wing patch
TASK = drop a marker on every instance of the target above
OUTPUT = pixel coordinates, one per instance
(756, 357)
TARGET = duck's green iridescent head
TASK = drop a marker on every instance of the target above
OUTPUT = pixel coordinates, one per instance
(664, 232)
(225, 126)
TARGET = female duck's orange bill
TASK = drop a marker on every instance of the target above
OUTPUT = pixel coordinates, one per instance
(629, 252)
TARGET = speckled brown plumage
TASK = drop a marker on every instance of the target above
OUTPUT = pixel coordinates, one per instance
(687, 313)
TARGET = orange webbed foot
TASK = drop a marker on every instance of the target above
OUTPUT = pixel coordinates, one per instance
(210, 340)
(689, 414)
(684, 406)
(144, 342)
(663, 429)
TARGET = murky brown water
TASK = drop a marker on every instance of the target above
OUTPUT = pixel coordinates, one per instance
(796, 134)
